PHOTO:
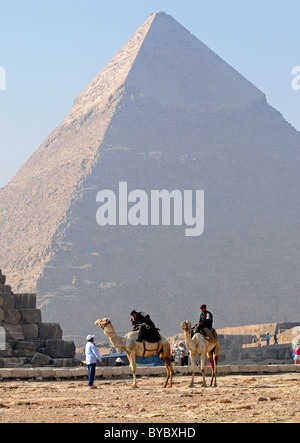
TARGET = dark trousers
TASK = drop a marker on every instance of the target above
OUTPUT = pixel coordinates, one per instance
(149, 334)
(185, 361)
(92, 373)
(142, 333)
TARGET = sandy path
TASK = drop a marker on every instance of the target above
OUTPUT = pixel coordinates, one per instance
(270, 398)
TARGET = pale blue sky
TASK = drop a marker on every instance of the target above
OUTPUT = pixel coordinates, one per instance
(52, 49)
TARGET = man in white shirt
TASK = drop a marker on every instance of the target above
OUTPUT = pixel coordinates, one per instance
(92, 356)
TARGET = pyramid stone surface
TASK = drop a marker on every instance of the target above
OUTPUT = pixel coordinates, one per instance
(165, 113)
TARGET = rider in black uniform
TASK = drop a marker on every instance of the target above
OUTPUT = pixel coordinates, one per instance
(205, 321)
(142, 322)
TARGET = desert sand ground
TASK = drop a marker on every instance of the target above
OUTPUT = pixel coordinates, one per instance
(241, 399)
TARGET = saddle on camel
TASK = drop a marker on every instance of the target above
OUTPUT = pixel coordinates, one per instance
(147, 330)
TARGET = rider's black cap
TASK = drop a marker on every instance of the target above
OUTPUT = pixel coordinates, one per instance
(203, 307)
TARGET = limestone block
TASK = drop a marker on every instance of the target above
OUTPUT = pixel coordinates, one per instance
(12, 316)
(272, 353)
(182, 369)
(99, 372)
(283, 368)
(225, 369)
(31, 332)
(25, 301)
(14, 362)
(5, 374)
(248, 369)
(31, 316)
(14, 332)
(50, 331)
(158, 370)
(60, 349)
(126, 370)
(7, 301)
(41, 359)
(107, 372)
(8, 352)
(63, 373)
(26, 348)
(33, 372)
(47, 373)
(79, 372)
(19, 373)
(117, 372)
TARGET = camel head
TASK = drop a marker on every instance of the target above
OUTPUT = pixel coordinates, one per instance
(186, 325)
(103, 322)
(106, 325)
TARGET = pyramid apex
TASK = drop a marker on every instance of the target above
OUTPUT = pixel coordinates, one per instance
(159, 14)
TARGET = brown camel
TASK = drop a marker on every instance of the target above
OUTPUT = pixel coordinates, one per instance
(135, 349)
(199, 345)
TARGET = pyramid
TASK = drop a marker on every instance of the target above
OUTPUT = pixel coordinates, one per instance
(166, 113)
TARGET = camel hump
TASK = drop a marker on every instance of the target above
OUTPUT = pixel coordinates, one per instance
(211, 335)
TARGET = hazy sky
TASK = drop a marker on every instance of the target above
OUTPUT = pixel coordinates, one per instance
(52, 49)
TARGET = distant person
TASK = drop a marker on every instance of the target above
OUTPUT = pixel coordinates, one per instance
(119, 362)
(184, 354)
(176, 355)
(268, 339)
(275, 339)
(296, 352)
(91, 359)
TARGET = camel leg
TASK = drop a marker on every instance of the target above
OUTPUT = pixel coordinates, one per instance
(216, 361)
(211, 359)
(204, 385)
(193, 360)
(167, 363)
(171, 374)
(170, 371)
(212, 363)
(168, 376)
(133, 367)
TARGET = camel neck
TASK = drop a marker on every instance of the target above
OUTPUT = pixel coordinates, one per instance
(188, 335)
(116, 341)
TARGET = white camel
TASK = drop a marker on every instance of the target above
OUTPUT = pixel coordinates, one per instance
(135, 349)
(199, 345)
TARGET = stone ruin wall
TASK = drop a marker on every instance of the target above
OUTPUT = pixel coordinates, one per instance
(25, 341)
